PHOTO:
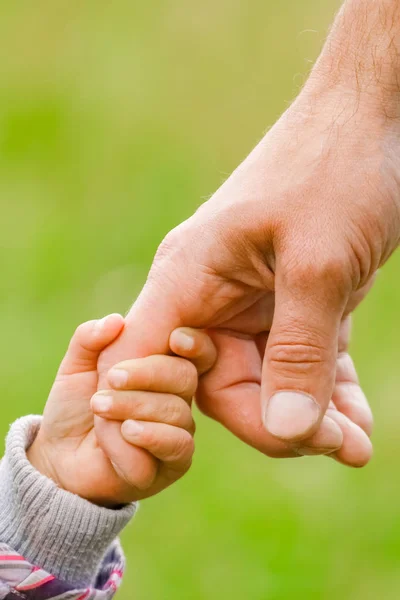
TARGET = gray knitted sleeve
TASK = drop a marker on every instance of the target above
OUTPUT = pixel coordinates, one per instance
(53, 529)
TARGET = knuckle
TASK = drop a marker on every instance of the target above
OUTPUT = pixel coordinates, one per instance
(187, 378)
(332, 268)
(179, 414)
(173, 412)
(295, 356)
(138, 407)
(183, 446)
(330, 271)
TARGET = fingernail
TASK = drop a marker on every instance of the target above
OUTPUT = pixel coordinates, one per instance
(185, 341)
(328, 435)
(118, 378)
(131, 429)
(327, 439)
(305, 451)
(101, 403)
(290, 415)
(98, 326)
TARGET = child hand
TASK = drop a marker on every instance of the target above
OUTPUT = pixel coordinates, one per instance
(149, 409)
(66, 448)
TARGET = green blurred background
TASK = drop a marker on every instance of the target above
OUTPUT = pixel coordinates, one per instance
(116, 120)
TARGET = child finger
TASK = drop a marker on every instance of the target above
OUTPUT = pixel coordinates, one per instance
(195, 345)
(140, 470)
(88, 341)
(166, 374)
(143, 406)
(171, 445)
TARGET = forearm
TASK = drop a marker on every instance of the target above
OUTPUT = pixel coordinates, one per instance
(362, 55)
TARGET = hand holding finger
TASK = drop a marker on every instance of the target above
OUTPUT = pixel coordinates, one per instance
(166, 374)
(143, 406)
(195, 345)
(171, 445)
(87, 343)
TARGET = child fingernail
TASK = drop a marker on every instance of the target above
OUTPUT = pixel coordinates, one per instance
(131, 429)
(118, 378)
(101, 403)
(98, 326)
(185, 341)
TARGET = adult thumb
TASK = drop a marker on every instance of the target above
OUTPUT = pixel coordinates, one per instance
(300, 358)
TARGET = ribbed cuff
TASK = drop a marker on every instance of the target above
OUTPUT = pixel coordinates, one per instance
(58, 531)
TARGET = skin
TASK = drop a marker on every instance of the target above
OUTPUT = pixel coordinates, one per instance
(151, 408)
(272, 265)
(152, 413)
(274, 262)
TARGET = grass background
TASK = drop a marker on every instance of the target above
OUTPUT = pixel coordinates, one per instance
(116, 120)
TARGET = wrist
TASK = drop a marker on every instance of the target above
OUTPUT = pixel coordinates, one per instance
(61, 532)
(39, 459)
(46, 459)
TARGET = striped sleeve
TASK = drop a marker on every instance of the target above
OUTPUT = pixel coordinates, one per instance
(53, 544)
(19, 579)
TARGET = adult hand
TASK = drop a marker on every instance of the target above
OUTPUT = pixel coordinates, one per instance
(278, 257)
